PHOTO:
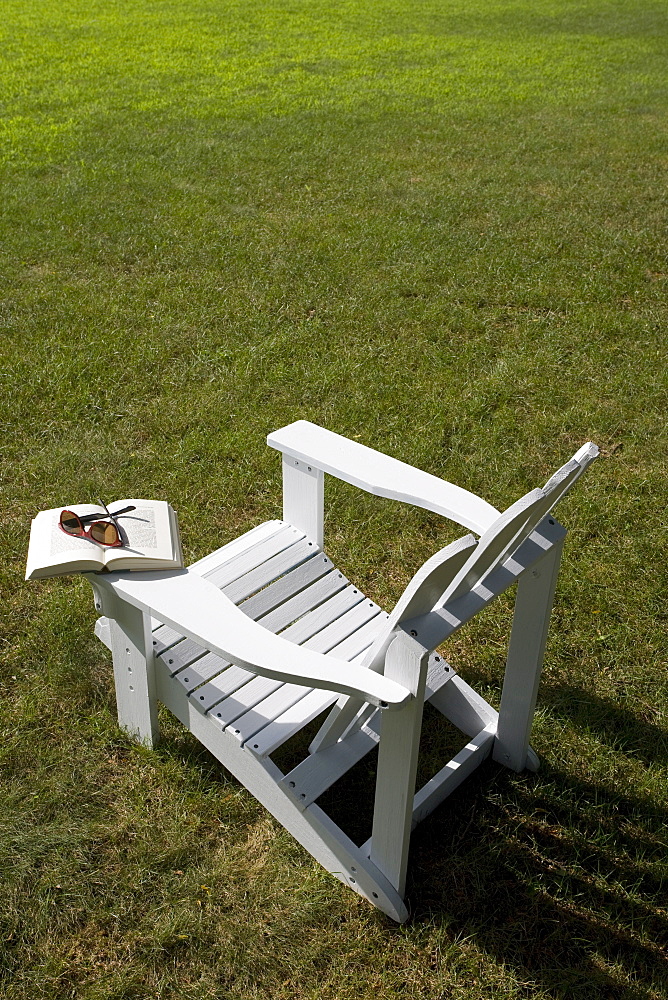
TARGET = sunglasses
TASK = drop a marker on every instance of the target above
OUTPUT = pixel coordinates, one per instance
(99, 529)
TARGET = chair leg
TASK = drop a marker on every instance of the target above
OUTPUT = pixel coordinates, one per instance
(317, 833)
(406, 662)
(303, 498)
(338, 720)
(134, 674)
(533, 604)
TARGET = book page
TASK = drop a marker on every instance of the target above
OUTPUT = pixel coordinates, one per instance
(145, 531)
(149, 533)
(51, 548)
(62, 543)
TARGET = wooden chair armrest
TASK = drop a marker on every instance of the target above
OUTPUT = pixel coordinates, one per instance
(198, 610)
(380, 474)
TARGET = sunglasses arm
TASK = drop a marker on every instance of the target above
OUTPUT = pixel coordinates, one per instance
(89, 518)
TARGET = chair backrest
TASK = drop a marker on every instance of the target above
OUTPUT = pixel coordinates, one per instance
(515, 525)
(464, 564)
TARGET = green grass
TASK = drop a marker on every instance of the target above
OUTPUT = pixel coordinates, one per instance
(439, 228)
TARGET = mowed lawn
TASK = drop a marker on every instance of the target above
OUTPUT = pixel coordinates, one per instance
(439, 228)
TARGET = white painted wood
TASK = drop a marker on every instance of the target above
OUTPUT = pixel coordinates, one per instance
(439, 673)
(181, 655)
(322, 616)
(274, 535)
(205, 668)
(246, 726)
(304, 498)
(256, 691)
(244, 562)
(379, 474)
(437, 626)
(347, 712)
(163, 637)
(134, 675)
(103, 631)
(295, 718)
(290, 721)
(296, 586)
(242, 690)
(508, 532)
(344, 626)
(318, 772)
(533, 604)
(299, 632)
(289, 695)
(243, 699)
(270, 570)
(227, 552)
(187, 652)
(307, 601)
(196, 607)
(210, 695)
(452, 775)
(312, 828)
(361, 639)
(406, 663)
(464, 707)
(421, 594)
(343, 714)
(497, 543)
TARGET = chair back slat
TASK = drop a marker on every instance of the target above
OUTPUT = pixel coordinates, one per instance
(421, 594)
(516, 524)
(462, 565)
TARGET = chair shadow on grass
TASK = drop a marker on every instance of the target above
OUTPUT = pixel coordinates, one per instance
(614, 725)
(555, 877)
(515, 872)
(562, 878)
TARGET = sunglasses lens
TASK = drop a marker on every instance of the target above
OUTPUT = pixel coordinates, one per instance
(70, 523)
(104, 532)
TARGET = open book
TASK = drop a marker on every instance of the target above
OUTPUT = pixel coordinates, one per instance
(150, 536)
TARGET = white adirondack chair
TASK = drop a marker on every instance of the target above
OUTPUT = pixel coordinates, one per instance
(252, 643)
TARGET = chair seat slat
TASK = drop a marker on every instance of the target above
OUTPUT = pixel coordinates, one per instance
(182, 655)
(184, 652)
(240, 544)
(246, 561)
(251, 549)
(293, 586)
(270, 570)
(165, 636)
(318, 618)
(202, 670)
(289, 722)
(275, 704)
(289, 611)
(242, 700)
(299, 632)
(228, 681)
(344, 625)
(289, 695)
(210, 665)
(360, 639)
